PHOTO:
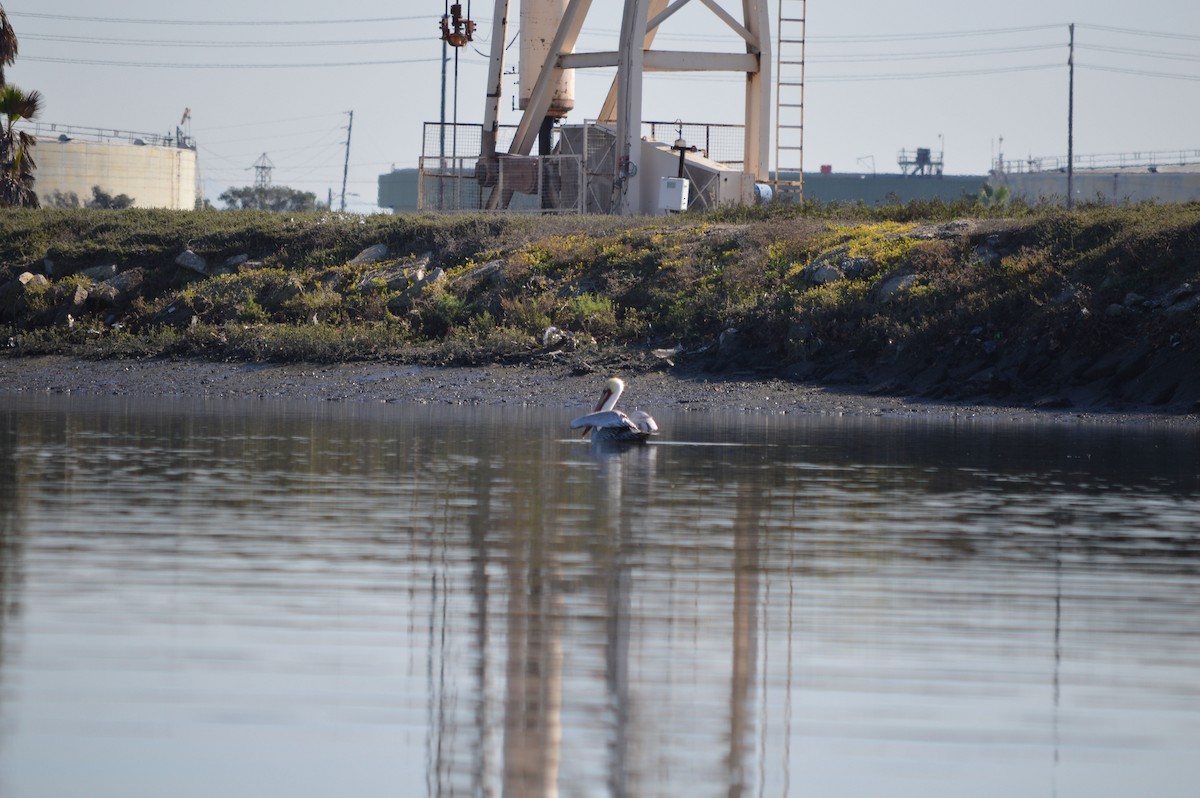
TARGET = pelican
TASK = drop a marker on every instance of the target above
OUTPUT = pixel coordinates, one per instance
(606, 423)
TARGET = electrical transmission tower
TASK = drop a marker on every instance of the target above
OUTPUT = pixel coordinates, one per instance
(262, 171)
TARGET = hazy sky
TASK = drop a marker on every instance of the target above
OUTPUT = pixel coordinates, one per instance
(264, 77)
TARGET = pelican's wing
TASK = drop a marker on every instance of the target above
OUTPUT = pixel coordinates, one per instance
(605, 419)
(644, 423)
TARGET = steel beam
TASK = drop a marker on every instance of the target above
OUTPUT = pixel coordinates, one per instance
(667, 61)
(495, 84)
(658, 12)
(627, 180)
(758, 92)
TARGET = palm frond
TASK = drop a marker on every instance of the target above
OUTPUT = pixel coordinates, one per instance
(8, 43)
(16, 104)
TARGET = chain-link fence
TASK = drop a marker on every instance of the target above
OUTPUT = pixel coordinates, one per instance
(579, 177)
(595, 145)
(517, 184)
(451, 141)
(466, 140)
(725, 144)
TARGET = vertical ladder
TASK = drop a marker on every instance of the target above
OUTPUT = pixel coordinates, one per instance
(788, 181)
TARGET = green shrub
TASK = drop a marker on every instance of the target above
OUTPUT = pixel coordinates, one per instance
(529, 314)
(593, 314)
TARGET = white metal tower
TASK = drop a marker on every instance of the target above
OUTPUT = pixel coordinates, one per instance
(543, 87)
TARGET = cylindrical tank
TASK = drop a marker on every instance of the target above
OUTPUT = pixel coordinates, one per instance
(154, 175)
(539, 23)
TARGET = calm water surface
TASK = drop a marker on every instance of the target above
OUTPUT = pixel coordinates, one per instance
(281, 600)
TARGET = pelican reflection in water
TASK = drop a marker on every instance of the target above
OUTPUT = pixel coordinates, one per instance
(606, 423)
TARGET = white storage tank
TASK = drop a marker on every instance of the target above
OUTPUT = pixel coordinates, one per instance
(154, 176)
(539, 23)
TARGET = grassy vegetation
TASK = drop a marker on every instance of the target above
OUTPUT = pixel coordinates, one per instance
(893, 291)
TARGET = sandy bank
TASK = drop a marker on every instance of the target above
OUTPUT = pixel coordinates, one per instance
(549, 384)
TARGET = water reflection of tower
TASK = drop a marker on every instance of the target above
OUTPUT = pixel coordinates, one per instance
(478, 526)
(1061, 520)
(614, 518)
(533, 688)
(746, 532)
(622, 486)
(12, 535)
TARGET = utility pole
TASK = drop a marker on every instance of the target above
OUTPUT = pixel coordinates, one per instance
(442, 124)
(346, 168)
(457, 31)
(1071, 122)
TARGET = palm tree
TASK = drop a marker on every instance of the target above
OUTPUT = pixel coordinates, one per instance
(16, 147)
(8, 43)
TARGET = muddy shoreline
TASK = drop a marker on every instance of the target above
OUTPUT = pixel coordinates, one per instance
(565, 383)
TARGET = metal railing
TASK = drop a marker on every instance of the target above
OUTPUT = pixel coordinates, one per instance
(1123, 160)
(722, 143)
(70, 132)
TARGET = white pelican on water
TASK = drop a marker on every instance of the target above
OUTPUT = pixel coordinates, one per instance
(606, 423)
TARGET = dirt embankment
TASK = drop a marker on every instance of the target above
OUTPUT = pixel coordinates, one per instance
(1096, 310)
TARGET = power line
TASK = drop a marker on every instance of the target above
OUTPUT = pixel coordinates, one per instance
(1137, 32)
(363, 42)
(1140, 72)
(310, 132)
(325, 147)
(193, 43)
(816, 78)
(268, 122)
(962, 73)
(590, 31)
(1142, 53)
(908, 37)
(920, 56)
(276, 137)
(864, 78)
(214, 154)
(169, 65)
(230, 23)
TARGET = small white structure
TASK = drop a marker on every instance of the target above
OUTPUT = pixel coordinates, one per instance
(673, 194)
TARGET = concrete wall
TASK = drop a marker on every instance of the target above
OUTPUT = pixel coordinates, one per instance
(882, 189)
(1111, 186)
(155, 177)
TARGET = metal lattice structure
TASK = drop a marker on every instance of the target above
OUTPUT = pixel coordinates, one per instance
(595, 146)
(262, 171)
(578, 177)
(547, 77)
